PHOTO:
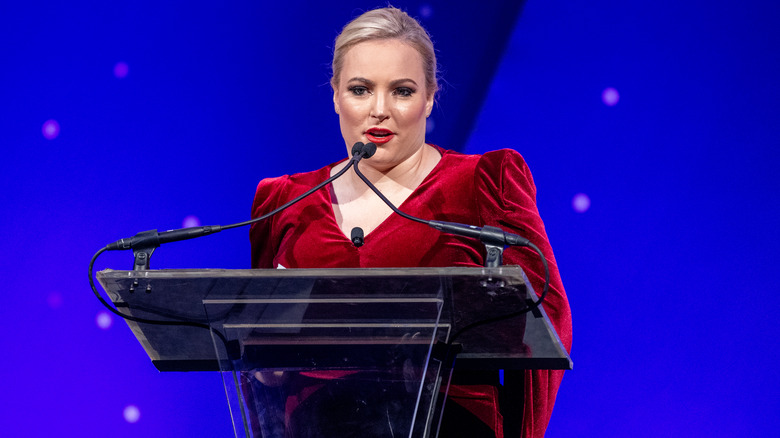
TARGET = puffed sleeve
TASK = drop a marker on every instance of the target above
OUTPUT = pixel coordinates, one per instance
(264, 244)
(508, 200)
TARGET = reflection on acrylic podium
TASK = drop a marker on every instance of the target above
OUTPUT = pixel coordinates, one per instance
(336, 352)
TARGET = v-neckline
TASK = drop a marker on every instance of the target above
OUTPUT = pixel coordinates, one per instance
(414, 193)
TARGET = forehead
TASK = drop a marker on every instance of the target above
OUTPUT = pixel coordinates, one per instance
(383, 59)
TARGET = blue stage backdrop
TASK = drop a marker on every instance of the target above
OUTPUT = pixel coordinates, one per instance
(652, 129)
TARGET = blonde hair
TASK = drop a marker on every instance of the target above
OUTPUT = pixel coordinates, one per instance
(384, 24)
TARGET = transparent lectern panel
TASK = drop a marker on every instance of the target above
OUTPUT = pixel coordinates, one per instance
(359, 403)
(332, 357)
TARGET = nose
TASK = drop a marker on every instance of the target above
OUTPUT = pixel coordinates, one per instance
(379, 109)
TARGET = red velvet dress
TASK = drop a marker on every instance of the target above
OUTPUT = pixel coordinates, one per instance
(492, 189)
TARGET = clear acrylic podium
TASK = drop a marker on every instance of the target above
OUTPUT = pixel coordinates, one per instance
(336, 352)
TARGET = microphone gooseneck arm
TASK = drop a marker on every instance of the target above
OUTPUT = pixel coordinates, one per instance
(359, 151)
(487, 234)
(494, 238)
(144, 243)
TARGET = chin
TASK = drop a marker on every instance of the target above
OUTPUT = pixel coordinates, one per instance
(380, 160)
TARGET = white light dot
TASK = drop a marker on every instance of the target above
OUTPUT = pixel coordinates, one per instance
(430, 125)
(104, 320)
(121, 69)
(610, 96)
(50, 129)
(426, 11)
(190, 221)
(131, 414)
(580, 203)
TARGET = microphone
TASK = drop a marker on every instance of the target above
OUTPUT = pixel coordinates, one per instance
(147, 241)
(153, 239)
(494, 239)
(488, 235)
(368, 150)
(144, 243)
(357, 237)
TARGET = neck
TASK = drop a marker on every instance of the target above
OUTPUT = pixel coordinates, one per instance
(408, 173)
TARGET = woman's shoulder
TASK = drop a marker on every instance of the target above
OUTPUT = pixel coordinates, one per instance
(495, 154)
(501, 172)
(504, 161)
(486, 162)
(282, 182)
(272, 192)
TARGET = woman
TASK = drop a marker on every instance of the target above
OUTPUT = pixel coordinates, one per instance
(384, 84)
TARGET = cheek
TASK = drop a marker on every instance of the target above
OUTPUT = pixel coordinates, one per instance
(412, 114)
(350, 121)
(349, 112)
(347, 120)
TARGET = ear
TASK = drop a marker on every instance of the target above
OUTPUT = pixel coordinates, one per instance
(429, 105)
(336, 101)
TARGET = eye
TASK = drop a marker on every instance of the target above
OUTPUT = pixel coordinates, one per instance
(403, 91)
(358, 90)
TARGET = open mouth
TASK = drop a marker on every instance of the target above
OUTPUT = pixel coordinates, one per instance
(379, 135)
(379, 132)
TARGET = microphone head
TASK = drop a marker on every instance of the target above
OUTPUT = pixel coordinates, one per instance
(357, 237)
(369, 150)
(357, 148)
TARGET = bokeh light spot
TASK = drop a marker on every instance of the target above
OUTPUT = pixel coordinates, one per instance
(610, 96)
(104, 320)
(50, 129)
(131, 413)
(121, 69)
(426, 11)
(54, 300)
(190, 221)
(580, 203)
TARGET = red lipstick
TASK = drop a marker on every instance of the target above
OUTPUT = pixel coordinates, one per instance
(379, 135)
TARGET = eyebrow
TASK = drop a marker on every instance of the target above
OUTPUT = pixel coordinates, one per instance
(393, 83)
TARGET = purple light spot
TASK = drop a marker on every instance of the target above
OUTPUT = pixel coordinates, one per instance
(54, 300)
(50, 129)
(610, 96)
(190, 221)
(426, 11)
(580, 203)
(429, 125)
(121, 69)
(104, 320)
(131, 413)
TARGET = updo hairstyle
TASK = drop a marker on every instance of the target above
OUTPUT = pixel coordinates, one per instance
(385, 24)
